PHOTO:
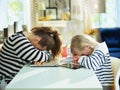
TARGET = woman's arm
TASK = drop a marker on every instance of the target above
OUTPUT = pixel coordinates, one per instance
(26, 51)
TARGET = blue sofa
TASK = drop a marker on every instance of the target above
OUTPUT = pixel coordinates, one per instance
(112, 38)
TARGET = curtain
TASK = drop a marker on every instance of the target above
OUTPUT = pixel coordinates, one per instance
(111, 18)
(3, 14)
(11, 11)
(118, 13)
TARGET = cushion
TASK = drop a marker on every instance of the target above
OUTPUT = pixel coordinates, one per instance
(114, 49)
(111, 36)
(115, 54)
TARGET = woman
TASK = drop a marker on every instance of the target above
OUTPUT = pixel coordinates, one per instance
(23, 47)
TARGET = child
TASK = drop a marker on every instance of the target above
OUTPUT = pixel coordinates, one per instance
(23, 47)
(95, 56)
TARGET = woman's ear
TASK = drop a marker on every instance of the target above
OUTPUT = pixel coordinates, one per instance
(43, 48)
(37, 39)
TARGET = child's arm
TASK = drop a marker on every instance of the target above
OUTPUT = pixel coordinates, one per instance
(89, 62)
(94, 61)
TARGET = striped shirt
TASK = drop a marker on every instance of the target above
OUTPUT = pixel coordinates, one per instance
(16, 52)
(99, 62)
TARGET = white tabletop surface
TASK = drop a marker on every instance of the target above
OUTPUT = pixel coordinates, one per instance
(54, 78)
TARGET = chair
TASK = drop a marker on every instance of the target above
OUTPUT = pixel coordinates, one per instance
(115, 62)
(112, 38)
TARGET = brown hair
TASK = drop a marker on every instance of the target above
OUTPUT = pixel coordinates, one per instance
(50, 39)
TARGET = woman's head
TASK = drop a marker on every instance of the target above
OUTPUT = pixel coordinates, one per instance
(49, 39)
(82, 45)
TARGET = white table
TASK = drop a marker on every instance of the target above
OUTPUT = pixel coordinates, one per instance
(54, 78)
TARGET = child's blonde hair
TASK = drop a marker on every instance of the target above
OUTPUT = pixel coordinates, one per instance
(78, 42)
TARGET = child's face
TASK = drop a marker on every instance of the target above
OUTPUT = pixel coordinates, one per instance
(87, 50)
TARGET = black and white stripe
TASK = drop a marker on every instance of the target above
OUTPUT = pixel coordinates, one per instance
(16, 52)
(99, 62)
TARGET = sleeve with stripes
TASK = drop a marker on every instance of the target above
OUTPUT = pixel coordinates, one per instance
(91, 62)
(26, 51)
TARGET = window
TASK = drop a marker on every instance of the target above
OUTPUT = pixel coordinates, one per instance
(11, 11)
(108, 19)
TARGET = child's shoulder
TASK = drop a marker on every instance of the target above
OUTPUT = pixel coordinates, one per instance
(102, 47)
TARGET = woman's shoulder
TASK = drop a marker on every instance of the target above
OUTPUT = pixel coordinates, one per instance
(18, 35)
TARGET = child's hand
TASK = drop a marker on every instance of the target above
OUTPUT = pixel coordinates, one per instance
(75, 61)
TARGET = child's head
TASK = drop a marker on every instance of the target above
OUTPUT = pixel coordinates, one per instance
(49, 39)
(82, 45)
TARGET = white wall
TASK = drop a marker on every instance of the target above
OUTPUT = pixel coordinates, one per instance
(74, 26)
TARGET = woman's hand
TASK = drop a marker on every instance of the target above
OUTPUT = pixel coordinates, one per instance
(39, 63)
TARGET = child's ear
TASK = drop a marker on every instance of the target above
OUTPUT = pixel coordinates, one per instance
(86, 46)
